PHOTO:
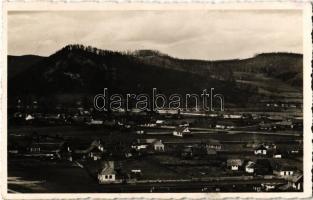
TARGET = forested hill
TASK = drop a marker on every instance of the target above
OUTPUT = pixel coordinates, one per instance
(87, 70)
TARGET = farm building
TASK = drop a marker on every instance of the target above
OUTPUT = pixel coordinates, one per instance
(181, 131)
(234, 164)
(107, 174)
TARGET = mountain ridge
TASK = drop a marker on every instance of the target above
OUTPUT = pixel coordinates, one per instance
(87, 70)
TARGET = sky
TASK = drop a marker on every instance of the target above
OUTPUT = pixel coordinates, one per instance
(207, 34)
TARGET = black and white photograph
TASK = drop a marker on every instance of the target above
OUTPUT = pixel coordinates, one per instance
(128, 101)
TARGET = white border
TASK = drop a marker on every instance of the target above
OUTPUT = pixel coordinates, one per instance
(307, 94)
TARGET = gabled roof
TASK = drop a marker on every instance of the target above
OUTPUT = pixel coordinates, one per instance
(95, 149)
(233, 162)
(250, 164)
(146, 141)
(297, 177)
(213, 142)
(261, 147)
(283, 167)
(180, 128)
(287, 168)
(107, 168)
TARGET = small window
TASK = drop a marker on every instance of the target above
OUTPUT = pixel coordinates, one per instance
(110, 176)
(106, 176)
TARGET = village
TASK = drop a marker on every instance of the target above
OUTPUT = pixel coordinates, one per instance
(163, 151)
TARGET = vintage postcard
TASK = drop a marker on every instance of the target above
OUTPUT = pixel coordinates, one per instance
(131, 100)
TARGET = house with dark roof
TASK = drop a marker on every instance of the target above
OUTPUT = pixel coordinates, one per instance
(181, 131)
(107, 173)
(144, 144)
(93, 150)
(234, 164)
(213, 144)
(44, 149)
(225, 125)
(284, 171)
(277, 154)
(260, 150)
(296, 181)
(250, 167)
(95, 153)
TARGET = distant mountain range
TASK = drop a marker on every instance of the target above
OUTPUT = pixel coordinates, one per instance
(76, 69)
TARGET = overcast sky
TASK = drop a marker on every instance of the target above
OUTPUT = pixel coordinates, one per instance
(207, 35)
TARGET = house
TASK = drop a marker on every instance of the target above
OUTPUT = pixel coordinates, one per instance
(107, 174)
(250, 167)
(213, 144)
(159, 122)
(34, 147)
(13, 148)
(128, 155)
(181, 131)
(143, 144)
(284, 171)
(158, 146)
(260, 150)
(275, 118)
(29, 117)
(95, 122)
(277, 154)
(83, 150)
(232, 116)
(136, 171)
(234, 164)
(296, 181)
(266, 127)
(225, 125)
(65, 152)
(140, 132)
(139, 147)
(269, 146)
(46, 149)
(95, 153)
(285, 124)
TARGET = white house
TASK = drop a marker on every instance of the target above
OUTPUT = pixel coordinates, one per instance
(277, 154)
(260, 150)
(214, 144)
(181, 131)
(250, 167)
(284, 171)
(107, 174)
(234, 164)
(296, 181)
(158, 145)
(159, 122)
(139, 147)
(232, 116)
(29, 117)
(225, 125)
(95, 122)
